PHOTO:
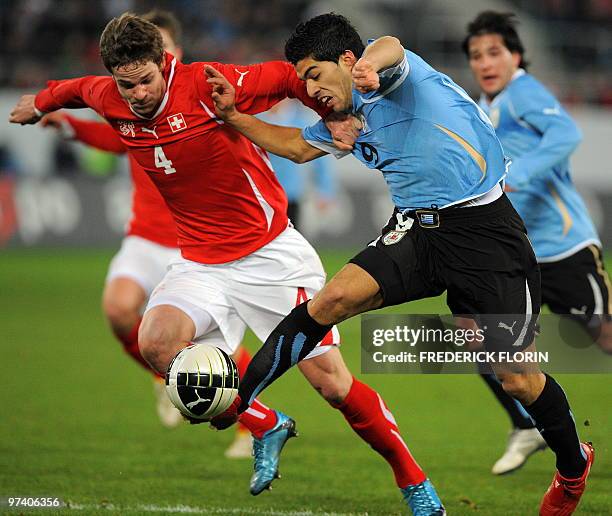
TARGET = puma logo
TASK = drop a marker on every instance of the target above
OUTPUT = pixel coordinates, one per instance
(579, 311)
(506, 327)
(194, 403)
(242, 74)
(151, 131)
(403, 224)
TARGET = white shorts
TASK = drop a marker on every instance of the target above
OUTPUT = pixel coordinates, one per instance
(256, 291)
(143, 261)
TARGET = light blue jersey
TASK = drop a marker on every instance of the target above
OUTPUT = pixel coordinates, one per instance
(539, 136)
(432, 143)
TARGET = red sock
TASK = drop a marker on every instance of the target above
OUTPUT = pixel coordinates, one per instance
(258, 419)
(242, 358)
(370, 418)
(130, 345)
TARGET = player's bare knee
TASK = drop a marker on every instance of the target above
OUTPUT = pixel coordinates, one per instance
(121, 316)
(516, 385)
(164, 331)
(156, 342)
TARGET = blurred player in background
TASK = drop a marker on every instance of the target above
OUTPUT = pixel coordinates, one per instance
(453, 228)
(149, 246)
(295, 178)
(242, 264)
(539, 136)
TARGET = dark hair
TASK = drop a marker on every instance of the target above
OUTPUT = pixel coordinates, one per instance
(167, 21)
(129, 39)
(324, 38)
(504, 24)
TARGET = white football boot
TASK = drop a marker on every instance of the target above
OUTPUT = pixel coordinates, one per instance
(521, 445)
(169, 415)
(241, 447)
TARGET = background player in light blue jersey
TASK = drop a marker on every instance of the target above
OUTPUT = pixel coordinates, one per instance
(453, 229)
(539, 136)
(293, 178)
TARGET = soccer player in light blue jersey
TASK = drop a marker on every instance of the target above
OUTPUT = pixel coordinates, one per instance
(539, 136)
(453, 229)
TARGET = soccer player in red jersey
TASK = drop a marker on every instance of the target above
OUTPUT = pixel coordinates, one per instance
(242, 263)
(149, 246)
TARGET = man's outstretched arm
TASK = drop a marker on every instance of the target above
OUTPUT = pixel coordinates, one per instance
(286, 142)
(70, 93)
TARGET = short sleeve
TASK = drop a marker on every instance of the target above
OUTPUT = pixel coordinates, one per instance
(393, 77)
(319, 136)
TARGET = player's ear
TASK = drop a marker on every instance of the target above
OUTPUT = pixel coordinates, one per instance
(348, 58)
(516, 59)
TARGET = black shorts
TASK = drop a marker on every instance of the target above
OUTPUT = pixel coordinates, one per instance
(577, 285)
(480, 255)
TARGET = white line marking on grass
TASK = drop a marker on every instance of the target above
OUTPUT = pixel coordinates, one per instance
(186, 509)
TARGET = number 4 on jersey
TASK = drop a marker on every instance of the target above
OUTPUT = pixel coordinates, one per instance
(162, 162)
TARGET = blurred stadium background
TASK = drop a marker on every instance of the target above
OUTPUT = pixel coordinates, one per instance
(63, 193)
(77, 418)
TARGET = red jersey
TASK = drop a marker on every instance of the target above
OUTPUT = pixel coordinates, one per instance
(220, 187)
(151, 219)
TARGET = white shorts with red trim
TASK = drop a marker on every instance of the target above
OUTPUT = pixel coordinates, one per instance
(143, 261)
(256, 291)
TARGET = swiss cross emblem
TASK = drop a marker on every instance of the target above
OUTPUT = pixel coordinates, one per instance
(177, 122)
(127, 128)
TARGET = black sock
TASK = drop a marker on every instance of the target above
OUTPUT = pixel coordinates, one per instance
(512, 407)
(295, 337)
(554, 419)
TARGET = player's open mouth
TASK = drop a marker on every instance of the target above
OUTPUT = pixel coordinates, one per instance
(325, 100)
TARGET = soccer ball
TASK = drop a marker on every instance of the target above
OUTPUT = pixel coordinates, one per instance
(202, 381)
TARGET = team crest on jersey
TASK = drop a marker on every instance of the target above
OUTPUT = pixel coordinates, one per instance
(393, 237)
(364, 123)
(494, 117)
(127, 128)
(177, 122)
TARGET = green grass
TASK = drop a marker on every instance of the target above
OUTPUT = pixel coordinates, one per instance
(78, 420)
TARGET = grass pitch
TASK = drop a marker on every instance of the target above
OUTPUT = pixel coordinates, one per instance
(78, 421)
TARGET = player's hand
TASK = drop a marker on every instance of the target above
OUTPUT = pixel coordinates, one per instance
(54, 120)
(24, 113)
(365, 77)
(223, 93)
(344, 129)
(227, 418)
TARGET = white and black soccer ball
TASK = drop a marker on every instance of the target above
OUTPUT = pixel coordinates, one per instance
(202, 381)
